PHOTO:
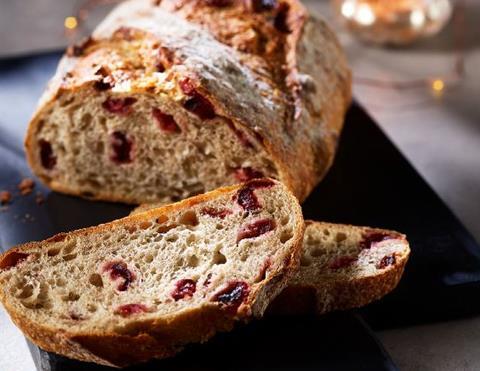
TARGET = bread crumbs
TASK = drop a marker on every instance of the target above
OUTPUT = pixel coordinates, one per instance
(26, 186)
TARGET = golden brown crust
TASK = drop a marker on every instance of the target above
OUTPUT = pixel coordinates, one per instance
(161, 337)
(289, 58)
(319, 293)
(337, 295)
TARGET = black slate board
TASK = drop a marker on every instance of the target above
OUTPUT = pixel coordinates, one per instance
(370, 183)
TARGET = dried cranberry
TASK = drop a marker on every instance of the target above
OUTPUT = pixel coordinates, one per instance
(370, 239)
(342, 262)
(247, 200)
(242, 137)
(386, 261)
(244, 174)
(11, 260)
(219, 3)
(120, 270)
(281, 19)
(165, 121)
(200, 106)
(233, 295)
(256, 228)
(260, 183)
(183, 288)
(121, 148)
(129, 309)
(46, 154)
(196, 103)
(263, 5)
(119, 106)
(215, 213)
(187, 86)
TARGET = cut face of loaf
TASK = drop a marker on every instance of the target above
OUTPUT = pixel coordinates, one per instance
(144, 286)
(172, 99)
(343, 267)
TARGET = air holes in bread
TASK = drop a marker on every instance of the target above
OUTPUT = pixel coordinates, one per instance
(53, 251)
(219, 258)
(189, 218)
(193, 261)
(305, 261)
(96, 280)
(340, 237)
(286, 235)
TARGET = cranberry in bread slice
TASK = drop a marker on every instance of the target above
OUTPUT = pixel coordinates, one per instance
(171, 99)
(343, 267)
(144, 286)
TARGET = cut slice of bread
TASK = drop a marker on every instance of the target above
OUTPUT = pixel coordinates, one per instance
(143, 286)
(343, 267)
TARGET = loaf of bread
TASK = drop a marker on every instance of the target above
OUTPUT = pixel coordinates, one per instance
(144, 286)
(173, 98)
(343, 267)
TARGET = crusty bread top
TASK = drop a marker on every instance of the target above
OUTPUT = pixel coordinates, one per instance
(268, 66)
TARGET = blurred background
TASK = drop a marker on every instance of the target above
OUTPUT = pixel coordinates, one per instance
(416, 67)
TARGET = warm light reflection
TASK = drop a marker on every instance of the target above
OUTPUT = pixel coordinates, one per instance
(417, 18)
(364, 15)
(348, 9)
(438, 86)
(71, 23)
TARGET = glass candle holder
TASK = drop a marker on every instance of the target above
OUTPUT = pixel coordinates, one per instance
(395, 22)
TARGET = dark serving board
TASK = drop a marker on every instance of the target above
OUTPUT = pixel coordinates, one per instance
(370, 183)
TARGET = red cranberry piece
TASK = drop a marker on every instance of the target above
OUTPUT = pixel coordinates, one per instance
(342, 262)
(386, 261)
(187, 86)
(13, 259)
(215, 213)
(281, 19)
(244, 174)
(129, 309)
(233, 295)
(247, 200)
(120, 270)
(196, 103)
(165, 121)
(122, 148)
(219, 3)
(183, 288)
(370, 239)
(256, 228)
(46, 154)
(200, 106)
(260, 183)
(263, 5)
(119, 106)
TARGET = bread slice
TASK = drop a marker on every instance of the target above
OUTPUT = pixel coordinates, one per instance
(143, 286)
(343, 267)
(170, 99)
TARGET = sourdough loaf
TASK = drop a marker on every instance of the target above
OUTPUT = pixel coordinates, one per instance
(343, 267)
(144, 286)
(172, 98)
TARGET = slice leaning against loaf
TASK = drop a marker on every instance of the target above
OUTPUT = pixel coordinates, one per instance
(144, 286)
(343, 267)
(169, 99)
